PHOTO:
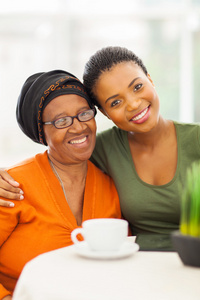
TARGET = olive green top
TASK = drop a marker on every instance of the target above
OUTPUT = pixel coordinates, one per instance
(153, 211)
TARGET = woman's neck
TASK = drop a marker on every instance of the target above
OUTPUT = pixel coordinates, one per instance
(152, 137)
(72, 179)
(70, 173)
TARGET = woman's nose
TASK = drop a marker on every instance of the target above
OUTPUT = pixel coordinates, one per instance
(133, 103)
(77, 126)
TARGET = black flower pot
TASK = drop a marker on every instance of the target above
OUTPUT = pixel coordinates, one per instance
(188, 248)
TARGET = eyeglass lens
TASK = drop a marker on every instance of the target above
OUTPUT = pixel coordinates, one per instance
(67, 121)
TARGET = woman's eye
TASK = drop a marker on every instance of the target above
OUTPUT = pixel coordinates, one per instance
(115, 102)
(138, 87)
(62, 121)
(84, 113)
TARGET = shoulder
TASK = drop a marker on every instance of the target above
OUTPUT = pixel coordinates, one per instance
(99, 175)
(95, 171)
(113, 136)
(28, 165)
(186, 125)
(189, 129)
(111, 133)
(188, 136)
(110, 144)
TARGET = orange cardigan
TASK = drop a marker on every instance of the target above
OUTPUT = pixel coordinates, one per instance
(43, 221)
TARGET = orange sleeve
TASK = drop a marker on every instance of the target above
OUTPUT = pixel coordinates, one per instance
(8, 221)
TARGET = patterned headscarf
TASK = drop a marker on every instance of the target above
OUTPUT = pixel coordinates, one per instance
(38, 90)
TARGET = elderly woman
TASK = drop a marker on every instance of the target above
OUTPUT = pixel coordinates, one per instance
(61, 187)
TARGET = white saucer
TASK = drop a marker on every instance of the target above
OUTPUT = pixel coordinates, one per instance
(127, 249)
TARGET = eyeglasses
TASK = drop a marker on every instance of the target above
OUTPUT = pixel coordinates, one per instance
(64, 122)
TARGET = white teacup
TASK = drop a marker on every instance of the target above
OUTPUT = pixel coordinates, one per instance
(102, 234)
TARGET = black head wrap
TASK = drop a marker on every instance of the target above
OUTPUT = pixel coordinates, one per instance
(38, 90)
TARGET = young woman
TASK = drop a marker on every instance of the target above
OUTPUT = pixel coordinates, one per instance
(146, 155)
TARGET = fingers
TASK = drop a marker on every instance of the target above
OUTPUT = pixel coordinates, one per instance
(6, 203)
(10, 195)
(11, 192)
(5, 176)
(9, 188)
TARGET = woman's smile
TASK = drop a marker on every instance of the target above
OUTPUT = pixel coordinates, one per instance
(131, 101)
(142, 116)
(79, 141)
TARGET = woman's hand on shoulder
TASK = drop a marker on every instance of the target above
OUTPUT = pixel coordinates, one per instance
(9, 189)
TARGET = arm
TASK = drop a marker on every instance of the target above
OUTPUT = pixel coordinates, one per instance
(8, 222)
(9, 189)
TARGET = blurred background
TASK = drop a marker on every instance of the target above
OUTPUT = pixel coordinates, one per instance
(42, 35)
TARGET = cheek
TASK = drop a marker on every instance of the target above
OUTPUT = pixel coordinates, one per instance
(93, 126)
(46, 134)
(53, 137)
(152, 95)
(117, 115)
(155, 100)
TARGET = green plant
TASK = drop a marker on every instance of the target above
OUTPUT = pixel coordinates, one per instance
(190, 206)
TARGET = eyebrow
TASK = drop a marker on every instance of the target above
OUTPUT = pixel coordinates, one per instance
(130, 84)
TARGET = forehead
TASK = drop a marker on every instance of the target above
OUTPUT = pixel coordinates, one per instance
(67, 104)
(121, 70)
(117, 77)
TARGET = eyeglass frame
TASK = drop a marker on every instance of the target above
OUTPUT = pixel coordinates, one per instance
(72, 119)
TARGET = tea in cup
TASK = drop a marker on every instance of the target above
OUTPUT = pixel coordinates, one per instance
(104, 234)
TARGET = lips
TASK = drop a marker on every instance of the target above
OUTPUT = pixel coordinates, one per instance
(142, 116)
(78, 141)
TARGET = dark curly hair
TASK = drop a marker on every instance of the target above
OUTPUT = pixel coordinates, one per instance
(104, 60)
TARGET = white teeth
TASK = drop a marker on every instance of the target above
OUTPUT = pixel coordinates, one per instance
(78, 141)
(140, 115)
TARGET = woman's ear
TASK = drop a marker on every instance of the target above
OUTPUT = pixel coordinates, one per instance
(149, 77)
(103, 112)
